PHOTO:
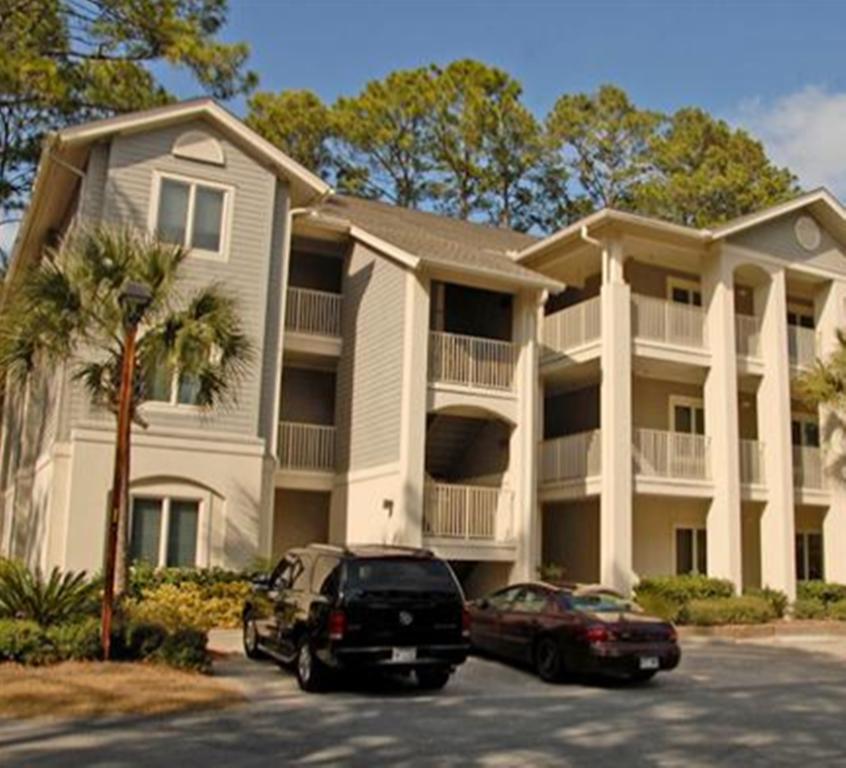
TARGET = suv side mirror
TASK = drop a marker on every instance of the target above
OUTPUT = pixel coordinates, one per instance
(262, 581)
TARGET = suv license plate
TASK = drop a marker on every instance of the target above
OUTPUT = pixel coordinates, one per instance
(648, 662)
(404, 654)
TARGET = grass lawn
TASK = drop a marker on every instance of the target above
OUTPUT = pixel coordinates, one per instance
(92, 689)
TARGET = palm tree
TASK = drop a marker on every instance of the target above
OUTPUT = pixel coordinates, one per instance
(825, 383)
(71, 308)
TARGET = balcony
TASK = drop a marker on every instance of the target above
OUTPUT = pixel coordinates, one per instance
(306, 447)
(467, 512)
(677, 455)
(808, 468)
(747, 329)
(471, 361)
(571, 328)
(313, 312)
(573, 457)
(667, 322)
(751, 462)
(801, 346)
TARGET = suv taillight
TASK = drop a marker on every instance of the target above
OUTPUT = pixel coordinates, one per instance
(337, 625)
(465, 621)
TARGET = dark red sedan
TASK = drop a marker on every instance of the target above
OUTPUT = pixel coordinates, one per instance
(570, 630)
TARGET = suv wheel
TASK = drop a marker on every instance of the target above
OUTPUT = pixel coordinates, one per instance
(251, 646)
(432, 679)
(312, 675)
(548, 661)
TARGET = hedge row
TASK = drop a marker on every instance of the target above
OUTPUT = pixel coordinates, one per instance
(27, 642)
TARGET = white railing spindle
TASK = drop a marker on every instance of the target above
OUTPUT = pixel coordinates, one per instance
(571, 457)
(314, 312)
(471, 361)
(308, 447)
(658, 453)
(667, 321)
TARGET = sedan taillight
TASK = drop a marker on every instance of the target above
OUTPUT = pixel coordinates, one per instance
(465, 622)
(337, 625)
(597, 635)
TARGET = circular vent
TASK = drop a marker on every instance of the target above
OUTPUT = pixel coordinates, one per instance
(807, 233)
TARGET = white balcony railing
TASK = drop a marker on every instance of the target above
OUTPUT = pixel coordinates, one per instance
(309, 447)
(808, 467)
(748, 335)
(751, 462)
(801, 346)
(315, 312)
(667, 321)
(471, 361)
(571, 457)
(467, 512)
(572, 327)
(658, 453)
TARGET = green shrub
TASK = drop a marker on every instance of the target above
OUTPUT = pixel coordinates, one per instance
(143, 577)
(822, 591)
(837, 611)
(53, 599)
(184, 649)
(78, 641)
(777, 599)
(140, 639)
(190, 605)
(729, 610)
(660, 606)
(22, 640)
(809, 608)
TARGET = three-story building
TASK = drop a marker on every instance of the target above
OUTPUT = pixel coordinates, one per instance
(617, 399)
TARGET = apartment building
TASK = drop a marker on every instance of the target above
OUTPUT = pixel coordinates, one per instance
(617, 399)
(674, 440)
(394, 394)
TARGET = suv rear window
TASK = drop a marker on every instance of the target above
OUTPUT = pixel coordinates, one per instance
(399, 575)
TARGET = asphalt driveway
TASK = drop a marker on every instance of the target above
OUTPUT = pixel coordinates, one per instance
(747, 704)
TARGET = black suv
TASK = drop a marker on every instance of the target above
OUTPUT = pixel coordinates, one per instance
(332, 609)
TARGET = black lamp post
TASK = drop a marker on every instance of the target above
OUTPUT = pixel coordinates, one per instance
(134, 300)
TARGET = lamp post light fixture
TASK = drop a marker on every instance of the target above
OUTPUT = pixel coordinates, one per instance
(134, 300)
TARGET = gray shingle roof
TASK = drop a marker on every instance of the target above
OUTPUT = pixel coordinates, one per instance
(438, 240)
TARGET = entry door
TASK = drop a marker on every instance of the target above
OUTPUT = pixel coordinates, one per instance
(687, 456)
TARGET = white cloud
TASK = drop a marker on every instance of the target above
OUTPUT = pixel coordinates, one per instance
(805, 131)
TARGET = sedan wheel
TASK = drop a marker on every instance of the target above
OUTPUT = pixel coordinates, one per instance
(548, 661)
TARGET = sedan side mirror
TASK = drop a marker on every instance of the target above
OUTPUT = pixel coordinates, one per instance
(483, 603)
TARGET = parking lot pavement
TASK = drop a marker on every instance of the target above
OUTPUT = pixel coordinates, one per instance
(728, 704)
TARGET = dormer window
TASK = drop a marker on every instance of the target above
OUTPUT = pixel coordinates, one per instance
(194, 214)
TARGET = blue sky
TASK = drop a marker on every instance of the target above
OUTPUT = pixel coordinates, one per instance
(774, 67)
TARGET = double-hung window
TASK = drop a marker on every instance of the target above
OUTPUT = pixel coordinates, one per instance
(691, 551)
(684, 292)
(164, 531)
(166, 385)
(193, 214)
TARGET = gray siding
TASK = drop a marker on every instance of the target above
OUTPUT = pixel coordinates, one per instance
(777, 238)
(94, 187)
(370, 368)
(246, 274)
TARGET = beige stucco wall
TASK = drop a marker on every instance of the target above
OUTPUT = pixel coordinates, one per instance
(571, 539)
(299, 518)
(655, 520)
(651, 400)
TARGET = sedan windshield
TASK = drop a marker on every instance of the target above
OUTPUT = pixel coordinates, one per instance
(599, 602)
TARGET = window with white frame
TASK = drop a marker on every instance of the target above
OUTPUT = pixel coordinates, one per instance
(809, 555)
(687, 415)
(684, 291)
(166, 385)
(691, 551)
(164, 531)
(805, 430)
(800, 315)
(192, 213)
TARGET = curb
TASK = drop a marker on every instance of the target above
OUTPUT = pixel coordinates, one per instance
(753, 631)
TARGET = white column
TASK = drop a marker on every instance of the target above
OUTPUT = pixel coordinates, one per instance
(524, 441)
(615, 526)
(721, 421)
(830, 312)
(778, 568)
